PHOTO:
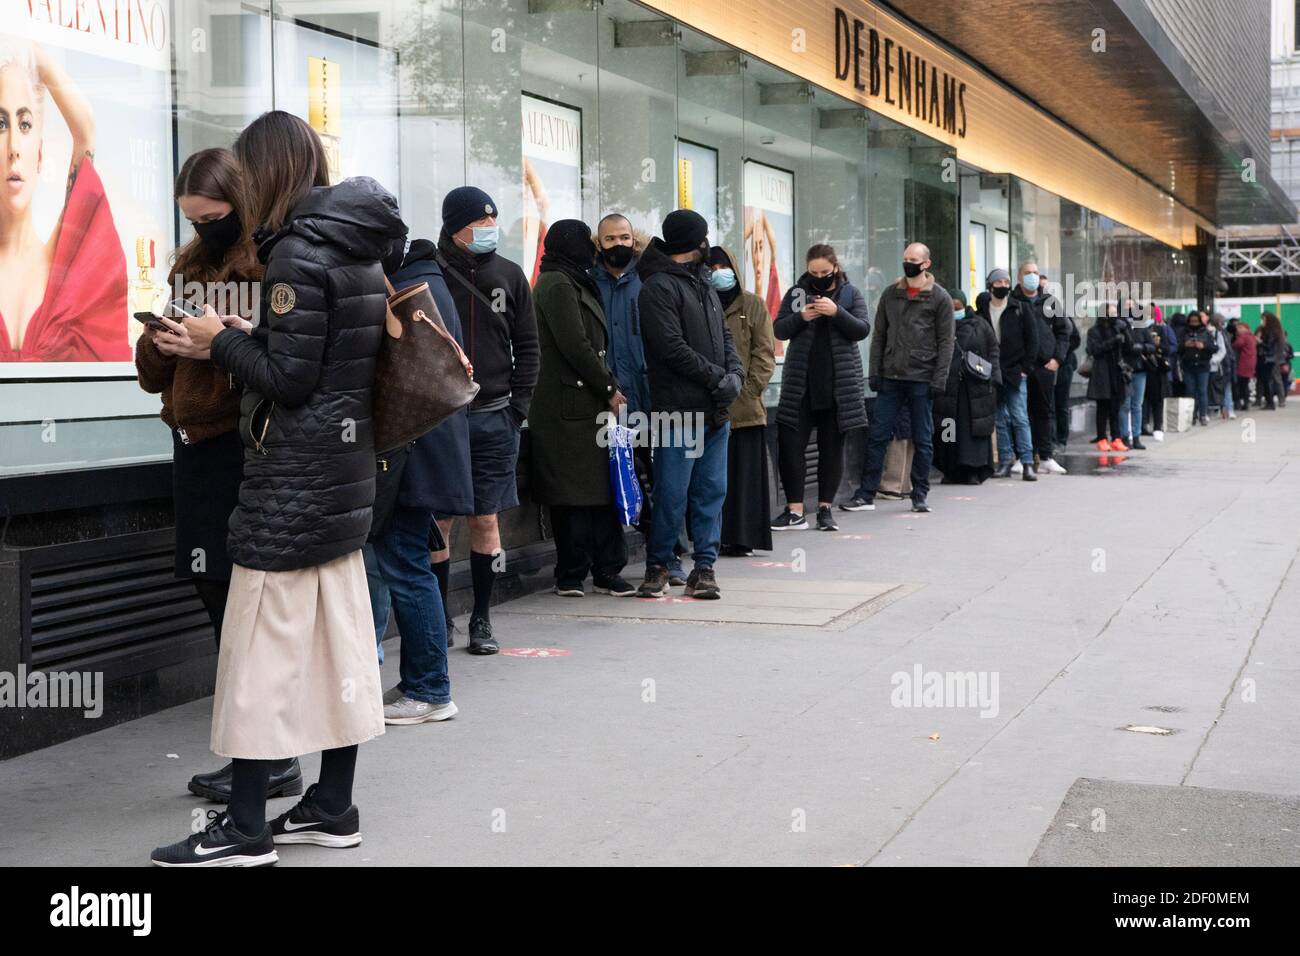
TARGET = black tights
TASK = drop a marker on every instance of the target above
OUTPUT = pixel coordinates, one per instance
(249, 779)
(1108, 418)
(213, 592)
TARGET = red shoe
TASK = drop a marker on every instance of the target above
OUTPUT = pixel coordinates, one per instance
(1103, 445)
(1118, 445)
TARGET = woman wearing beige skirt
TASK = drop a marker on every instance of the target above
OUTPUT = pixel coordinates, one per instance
(297, 670)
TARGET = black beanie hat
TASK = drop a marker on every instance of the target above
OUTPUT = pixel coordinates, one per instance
(684, 231)
(463, 205)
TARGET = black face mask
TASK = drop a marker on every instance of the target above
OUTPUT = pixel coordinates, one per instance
(220, 234)
(822, 284)
(911, 269)
(618, 256)
(1000, 291)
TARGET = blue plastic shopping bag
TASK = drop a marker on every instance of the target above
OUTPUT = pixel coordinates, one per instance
(622, 474)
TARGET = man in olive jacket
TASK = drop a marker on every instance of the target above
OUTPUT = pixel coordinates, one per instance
(910, 355)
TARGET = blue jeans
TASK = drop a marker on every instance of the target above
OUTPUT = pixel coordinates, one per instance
(1013, 417)
(894, 394)
(700, 483)
(1197, 380)
(1130, 413)
(402, 557)
(381, 602)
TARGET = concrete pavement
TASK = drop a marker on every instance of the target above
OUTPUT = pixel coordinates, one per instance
(1159, 591)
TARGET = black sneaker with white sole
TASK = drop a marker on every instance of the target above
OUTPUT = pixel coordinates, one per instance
(305, 822)
(826, 520)
(218, 844)
(858, 503)
(614, 587)
(787, 520)
(570, 589)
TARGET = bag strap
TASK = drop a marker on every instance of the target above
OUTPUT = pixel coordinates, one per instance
(474, 290)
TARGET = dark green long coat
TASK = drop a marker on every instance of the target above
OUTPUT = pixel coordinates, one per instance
(574, 386)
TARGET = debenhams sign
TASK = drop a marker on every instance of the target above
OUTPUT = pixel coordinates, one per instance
(880, 67)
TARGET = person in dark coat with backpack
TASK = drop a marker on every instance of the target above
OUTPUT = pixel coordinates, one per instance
(435, 480)
(824, 318)
(575, 390)
(1108, 344)
(965, 411)
(441, 477)
(297, 671)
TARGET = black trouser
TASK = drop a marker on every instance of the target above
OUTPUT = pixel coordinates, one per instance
(791, 443)
(213, 593)
(1042, 417)
(1061, 398)
(1265, 385)
(1241, 391)
(1108, 418)
(587, 539)
(1153, 400)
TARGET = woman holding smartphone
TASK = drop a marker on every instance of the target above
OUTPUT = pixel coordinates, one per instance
(200, 403)
(298, 670)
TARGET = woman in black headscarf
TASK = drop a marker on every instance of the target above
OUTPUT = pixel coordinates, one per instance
(570, 465)
(964, 412)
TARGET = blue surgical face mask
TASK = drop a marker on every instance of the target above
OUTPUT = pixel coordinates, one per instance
(485, 240)
(723, 279)
(959, 313)
(1030, 282)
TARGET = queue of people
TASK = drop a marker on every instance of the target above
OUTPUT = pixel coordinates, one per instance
(276, 472)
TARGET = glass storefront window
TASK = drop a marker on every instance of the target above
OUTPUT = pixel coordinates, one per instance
(531, 116)
(558, 108)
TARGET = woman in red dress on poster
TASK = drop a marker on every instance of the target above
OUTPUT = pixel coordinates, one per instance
(62, 299)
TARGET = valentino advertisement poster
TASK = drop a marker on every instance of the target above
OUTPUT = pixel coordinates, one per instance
(85, 202)
(769, 234)
(552, 141)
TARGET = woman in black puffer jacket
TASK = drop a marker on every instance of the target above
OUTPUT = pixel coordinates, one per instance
(297, 670)
(964, 415)
(823, 317)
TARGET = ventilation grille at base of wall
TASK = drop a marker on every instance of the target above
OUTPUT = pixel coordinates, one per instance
(113, 605)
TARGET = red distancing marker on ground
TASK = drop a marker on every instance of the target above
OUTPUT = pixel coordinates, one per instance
(768, 564)
(534, 652)
(854, 537)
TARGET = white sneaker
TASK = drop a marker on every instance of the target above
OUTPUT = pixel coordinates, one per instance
(1158, 435)
(1017, 468)
(1051, 467)
(1232, 415)
(404, 710)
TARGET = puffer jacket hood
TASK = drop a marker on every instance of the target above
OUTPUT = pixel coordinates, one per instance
(308, 370)
(358, 216)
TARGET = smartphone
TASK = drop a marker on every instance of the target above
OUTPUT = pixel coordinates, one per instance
(179, 309)
(151, 320)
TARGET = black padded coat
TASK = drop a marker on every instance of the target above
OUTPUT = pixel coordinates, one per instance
(850, 324)
(307, 371)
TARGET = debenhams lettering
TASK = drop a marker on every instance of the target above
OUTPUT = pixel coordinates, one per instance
(902, 78)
